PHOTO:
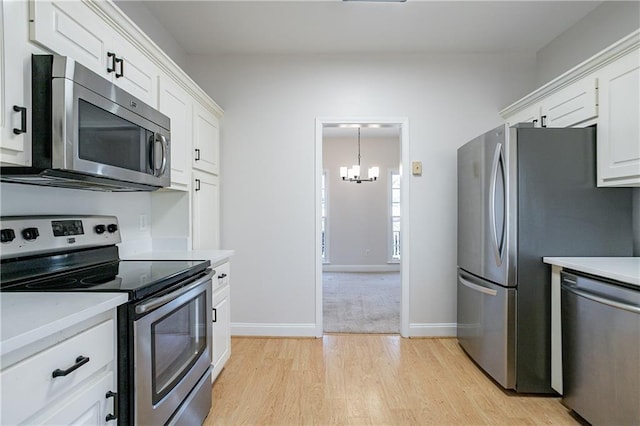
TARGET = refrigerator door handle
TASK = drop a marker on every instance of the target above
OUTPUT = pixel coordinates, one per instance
(497, 243)
(477, 287)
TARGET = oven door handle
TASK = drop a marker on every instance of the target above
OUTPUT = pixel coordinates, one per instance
(163, 300)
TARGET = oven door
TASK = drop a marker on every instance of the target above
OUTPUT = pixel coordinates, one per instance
(171, 351)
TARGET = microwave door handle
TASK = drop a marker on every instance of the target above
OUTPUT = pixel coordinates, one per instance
(165, 153)
(159, 171)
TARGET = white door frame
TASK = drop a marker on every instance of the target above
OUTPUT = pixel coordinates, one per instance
(405, 170)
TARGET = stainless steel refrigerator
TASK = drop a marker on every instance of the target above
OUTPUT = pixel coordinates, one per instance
(525, 193)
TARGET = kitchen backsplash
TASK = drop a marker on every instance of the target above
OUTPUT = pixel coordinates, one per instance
(18, 200)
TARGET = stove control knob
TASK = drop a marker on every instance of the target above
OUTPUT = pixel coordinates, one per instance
(100, 229)
(112, 227)
(30, 234)
(7, 235)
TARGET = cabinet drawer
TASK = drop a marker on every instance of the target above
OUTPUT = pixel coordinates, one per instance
(222, 276)
(29, 385)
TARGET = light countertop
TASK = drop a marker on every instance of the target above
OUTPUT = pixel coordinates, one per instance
(624, 269)
(29, 317)
(215, 256)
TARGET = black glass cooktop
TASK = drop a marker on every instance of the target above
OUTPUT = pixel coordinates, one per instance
(139, 278)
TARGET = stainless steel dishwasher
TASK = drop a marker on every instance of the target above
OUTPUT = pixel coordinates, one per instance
(601, 349)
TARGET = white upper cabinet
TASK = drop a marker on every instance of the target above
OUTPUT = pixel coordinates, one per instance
(134, 71)
(206, 140)
(571, 105)
(619, 124)
(15, 89)
(176, 103)
(530, 114)
(604, 91)
(71, 29)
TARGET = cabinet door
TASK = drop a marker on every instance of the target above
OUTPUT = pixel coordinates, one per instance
(206, 205)
(87, 406)
(619, 122)
(176, 103)
(69, 28)
(15, 87)
(572, 105)
(206, 139)
(30, 384)
(221, 330)
(530, 114)
(134, 72)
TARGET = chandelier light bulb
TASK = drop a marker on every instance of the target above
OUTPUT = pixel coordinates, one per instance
(374, 172)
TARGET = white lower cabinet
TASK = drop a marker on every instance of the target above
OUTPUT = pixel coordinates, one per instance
(619, 124)
(88, 406)
(221, 350)
(66, 383)
(206, 211)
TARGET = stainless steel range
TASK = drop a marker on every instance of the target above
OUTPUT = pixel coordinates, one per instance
(164, 330)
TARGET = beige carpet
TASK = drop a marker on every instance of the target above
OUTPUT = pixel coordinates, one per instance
(355, 302)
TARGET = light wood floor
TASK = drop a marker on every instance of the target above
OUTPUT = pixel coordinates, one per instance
(366, 379)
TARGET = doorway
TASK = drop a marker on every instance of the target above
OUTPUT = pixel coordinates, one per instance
(367, 269)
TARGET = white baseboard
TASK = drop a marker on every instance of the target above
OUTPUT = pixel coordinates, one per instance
(273, 330)
(433, 330)
(309, 330)
(392, 267)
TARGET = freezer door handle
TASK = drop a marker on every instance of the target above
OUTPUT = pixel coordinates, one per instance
(477, 287)
(498, 168)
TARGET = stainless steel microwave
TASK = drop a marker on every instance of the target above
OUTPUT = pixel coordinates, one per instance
(88, 133)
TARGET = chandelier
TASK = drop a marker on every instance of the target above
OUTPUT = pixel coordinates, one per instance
(352, 174)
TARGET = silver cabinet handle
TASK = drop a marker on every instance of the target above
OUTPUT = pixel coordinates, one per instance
(599, 299)
(163, 300)
(477, 287)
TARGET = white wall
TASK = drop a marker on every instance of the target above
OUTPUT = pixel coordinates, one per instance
(267, 160)
(606, 24)
(19, 200)
(358, 214)
(138, 12)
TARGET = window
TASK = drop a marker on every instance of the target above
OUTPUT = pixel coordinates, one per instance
(323, 202)
(394, 216)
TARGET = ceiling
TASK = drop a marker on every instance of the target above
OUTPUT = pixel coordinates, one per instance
(335, 26)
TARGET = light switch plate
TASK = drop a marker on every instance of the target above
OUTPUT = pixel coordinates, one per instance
(416, 168)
